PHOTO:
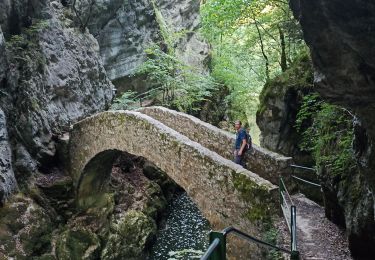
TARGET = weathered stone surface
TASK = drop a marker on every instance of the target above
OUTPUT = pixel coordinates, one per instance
(129, 236)
(232, 195)
(183, 16)
(24, 228)
(16, 14)
(54, 78)
(280, 102)
(7, 180)
(341, 38)
(80, 243)
(267, 164)
(124, 29)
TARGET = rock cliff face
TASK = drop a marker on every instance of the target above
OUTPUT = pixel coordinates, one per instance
(124, 29)
(51, 76)
(280, 101)
(7, 179)
(341, 37)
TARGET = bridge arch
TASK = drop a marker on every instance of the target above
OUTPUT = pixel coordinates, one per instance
(226, 193)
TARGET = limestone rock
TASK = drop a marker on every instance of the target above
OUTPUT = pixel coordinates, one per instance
(25, 228)
(124, 29)
(280, 101)
(167, 185)
(78, 243)
(55, 78)
(7, 180)
(129, 236)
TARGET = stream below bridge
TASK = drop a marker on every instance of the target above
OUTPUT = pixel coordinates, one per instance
(184, 234)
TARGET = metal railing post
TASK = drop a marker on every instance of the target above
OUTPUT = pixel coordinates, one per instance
(220, 252)
(293, 234)
(280, 195)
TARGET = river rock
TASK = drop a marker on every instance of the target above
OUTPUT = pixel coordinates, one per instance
(25, 227)
(129, 236)
(79, 243)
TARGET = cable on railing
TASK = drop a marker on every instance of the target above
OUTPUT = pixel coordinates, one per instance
(302, 167)
(217, 251)
(247, 237)
(306, 181)
(301, 179)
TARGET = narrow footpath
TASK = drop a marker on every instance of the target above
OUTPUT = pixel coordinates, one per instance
(317, 237)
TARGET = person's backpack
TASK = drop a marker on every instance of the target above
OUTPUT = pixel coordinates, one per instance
(249, 145)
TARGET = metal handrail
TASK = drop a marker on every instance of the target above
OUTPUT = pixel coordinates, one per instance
(301, 179)
(211, 249)
(224, 233)
(217, 248)
(247, 237)
(293, 232)
(282, 183)
(302, 167)
(306, 181)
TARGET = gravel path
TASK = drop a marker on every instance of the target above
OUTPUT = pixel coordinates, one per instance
(317, 237)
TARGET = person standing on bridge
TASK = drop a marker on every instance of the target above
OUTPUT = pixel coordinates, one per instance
(240, 144)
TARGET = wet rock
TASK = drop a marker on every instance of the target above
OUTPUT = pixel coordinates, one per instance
(167, 185)
(156, 203)
(129, 236)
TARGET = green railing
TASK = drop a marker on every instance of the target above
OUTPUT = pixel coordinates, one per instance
(217, 249)
(289, 211)
(218, 241)
(303, 180)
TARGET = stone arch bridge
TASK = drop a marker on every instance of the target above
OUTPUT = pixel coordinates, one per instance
(196, 155)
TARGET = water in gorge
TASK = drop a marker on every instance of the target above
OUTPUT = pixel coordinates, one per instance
(184, 234)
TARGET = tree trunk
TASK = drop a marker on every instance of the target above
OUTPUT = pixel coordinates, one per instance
(283, 63)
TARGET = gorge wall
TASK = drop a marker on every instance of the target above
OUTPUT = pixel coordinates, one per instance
(341, 36)
(125, 29)
(51, 76)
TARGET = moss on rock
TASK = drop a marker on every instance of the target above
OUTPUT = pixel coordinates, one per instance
(25, 228)
(78, 243)
(129, 236)
(251, 191)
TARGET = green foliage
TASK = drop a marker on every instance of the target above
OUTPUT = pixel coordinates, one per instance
(327, 132)
(253, 41)
(174, 84)
(271, 235)
(127, 101)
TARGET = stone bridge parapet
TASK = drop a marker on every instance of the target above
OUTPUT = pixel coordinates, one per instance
(266, 164)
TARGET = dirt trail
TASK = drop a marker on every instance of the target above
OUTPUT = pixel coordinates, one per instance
(318, 238)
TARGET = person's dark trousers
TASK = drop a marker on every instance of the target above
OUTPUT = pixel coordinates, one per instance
(239, 159)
